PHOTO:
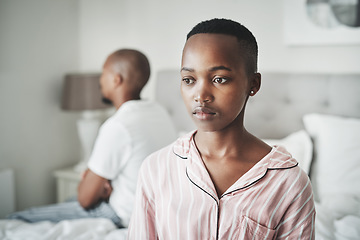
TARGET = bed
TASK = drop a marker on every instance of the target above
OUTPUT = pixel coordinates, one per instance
(315, 116)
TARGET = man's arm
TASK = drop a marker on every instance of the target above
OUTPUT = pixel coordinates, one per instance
(93, 189)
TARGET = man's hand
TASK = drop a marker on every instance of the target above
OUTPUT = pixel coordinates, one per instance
(93, 189)
(107, 191)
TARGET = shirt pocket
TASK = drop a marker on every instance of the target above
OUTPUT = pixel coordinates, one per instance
(249, 229)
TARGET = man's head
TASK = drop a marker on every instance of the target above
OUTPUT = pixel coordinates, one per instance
(247, 42)
(125, 73)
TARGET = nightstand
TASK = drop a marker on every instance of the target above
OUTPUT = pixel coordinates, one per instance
(67, 181)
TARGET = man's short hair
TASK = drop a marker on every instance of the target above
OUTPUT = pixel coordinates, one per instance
(246, 39)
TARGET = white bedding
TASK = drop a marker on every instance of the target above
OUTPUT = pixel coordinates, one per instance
(80, 229)
(338, 219)
(335, 175)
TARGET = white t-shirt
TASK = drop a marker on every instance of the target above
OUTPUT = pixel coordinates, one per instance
(137, 129)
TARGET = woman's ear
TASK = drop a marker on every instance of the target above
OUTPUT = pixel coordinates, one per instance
(255, 83)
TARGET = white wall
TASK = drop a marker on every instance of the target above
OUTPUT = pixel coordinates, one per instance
(39, 43)
(159, 27)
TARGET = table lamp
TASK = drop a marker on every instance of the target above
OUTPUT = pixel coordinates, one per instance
(81, 92)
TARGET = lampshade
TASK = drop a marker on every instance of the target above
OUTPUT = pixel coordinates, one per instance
(82, 92)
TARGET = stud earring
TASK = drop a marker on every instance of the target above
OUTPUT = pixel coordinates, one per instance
(252, 92)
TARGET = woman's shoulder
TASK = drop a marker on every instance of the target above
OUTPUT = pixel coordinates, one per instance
(286, 167)
(162, 153)
(170, 154)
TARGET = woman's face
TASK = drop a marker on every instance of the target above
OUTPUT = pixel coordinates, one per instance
(215, 86)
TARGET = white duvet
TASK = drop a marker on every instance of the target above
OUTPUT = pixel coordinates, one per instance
(338, 217)
(80, 229)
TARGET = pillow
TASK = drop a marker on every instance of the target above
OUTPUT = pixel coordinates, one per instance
(300, 146)
(337, 149)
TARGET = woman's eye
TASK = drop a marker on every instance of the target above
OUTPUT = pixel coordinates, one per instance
(188, 81)
(219, 80)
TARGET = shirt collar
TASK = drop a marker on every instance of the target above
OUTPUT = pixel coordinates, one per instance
(182, 145)
(277, 159)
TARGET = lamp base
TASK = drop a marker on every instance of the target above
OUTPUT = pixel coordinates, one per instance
(88, 126)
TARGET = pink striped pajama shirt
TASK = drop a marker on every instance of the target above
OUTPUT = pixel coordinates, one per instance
(176, 199)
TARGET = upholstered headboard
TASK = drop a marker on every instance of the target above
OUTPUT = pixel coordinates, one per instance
(277, 109)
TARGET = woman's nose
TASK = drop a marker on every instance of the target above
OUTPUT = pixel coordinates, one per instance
(203, 94)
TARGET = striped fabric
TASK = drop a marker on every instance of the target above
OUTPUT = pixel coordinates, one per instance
(176, 199)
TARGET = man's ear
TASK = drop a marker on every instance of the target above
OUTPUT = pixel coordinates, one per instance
(118, 80)
(255, 83)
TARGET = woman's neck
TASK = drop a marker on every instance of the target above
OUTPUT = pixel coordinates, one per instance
(228, 142)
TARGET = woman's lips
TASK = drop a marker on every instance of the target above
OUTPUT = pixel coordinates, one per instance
(204, 113)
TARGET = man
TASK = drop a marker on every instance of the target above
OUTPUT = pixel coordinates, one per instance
(137, 128)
